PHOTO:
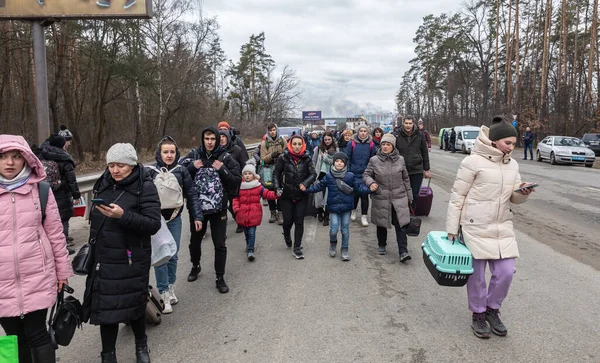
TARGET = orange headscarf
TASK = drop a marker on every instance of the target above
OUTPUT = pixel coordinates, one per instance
(291, 152)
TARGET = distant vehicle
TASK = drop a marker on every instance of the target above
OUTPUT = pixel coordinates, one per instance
(441, 136)
(465, 138)
(286, 132)
(593, 142)
(565, 150)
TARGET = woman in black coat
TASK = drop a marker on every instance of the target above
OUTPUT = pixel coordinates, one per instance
(294, 173)
(117, 288)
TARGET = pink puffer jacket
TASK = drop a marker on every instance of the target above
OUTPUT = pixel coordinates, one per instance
(33, 256)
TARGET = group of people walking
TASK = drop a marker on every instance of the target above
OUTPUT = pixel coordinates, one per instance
(35, 265)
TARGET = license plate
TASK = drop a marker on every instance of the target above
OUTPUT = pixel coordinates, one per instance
(578, 158)
(594, 142)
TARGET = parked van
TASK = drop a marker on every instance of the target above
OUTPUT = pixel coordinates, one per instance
(465, 137)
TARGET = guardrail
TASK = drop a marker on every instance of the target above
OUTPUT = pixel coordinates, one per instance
(86, 182)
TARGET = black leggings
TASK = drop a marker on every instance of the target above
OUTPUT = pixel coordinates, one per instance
(109, 333)
(274, 206)
(401, 237)
(30, 331)
(293, 214)
(218, 227)
(364, 203)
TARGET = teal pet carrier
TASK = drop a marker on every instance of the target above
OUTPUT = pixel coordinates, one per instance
(450, 263)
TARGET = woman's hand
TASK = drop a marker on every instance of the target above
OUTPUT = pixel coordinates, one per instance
(114, 211)
(373, 187)
(198, 225)
(525, 191)
(198, 164)
(61, 283)
(302, 187)
(451, 236)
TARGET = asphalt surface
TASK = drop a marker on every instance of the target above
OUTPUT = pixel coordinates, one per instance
(375, 309)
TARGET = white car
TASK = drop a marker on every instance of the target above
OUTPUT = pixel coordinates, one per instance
(465, 138)
(565, 150)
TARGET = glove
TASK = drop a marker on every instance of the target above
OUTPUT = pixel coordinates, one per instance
(279, 192)
(275, 155)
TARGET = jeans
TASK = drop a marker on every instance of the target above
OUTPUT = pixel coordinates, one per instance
(364, 203)
(528, 146)
(30, 331)
(218, 227)
(109, 333)
(415, 184)
(335, 220)
(273, 205)
(250, 234)
(167, 274)
(293, 214)
(401, 237)
(481, 297)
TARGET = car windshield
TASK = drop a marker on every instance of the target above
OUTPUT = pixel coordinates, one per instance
(591, 137)
(470, 135)
(567, 141)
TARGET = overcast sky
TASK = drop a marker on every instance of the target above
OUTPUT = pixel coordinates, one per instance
(349, 55)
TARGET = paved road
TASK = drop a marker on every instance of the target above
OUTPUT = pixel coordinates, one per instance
(564, 212)
(372, 309)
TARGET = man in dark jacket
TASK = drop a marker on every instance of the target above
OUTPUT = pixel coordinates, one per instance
(239, 155)
(411, 144)
(212, 155)
(528, 143)
(234, 135)
(67, 193)
(453, 140)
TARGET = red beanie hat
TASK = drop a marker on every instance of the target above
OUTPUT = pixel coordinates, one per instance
(224, 124)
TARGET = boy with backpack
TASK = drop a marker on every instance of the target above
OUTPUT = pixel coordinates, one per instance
(247, 207)
(341, 186)
(216, 176)
(172, 181)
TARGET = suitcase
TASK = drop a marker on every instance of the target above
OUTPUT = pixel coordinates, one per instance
(310, 209)
(450, 263)
(154, 306)
(424, 200)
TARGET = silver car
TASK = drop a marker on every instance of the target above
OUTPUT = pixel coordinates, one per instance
(564, 150)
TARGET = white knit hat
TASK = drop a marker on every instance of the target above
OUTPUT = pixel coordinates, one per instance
(122, 153)
(250, 167)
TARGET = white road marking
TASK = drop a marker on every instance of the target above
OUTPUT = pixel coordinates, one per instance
(449, 157)
(594, 189)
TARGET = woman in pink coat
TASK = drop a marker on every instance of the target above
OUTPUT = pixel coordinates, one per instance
(34, 262)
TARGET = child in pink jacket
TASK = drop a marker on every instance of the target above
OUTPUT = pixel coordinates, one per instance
(34, 263)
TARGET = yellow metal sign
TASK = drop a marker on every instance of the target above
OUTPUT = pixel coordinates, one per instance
(74, 9)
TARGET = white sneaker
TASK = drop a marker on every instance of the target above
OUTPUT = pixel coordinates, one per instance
(173, 298)
(353, 215)
(167, 299)
(363, 221)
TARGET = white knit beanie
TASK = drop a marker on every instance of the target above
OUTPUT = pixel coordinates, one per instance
(122, 153)
(250, 167)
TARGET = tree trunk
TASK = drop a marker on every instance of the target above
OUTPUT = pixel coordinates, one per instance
(592, 56)
(543, 94)
(496, 61)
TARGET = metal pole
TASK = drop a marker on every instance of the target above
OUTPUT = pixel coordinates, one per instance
(41, 83)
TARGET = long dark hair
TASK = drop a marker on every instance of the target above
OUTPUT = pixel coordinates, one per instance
(322, 147)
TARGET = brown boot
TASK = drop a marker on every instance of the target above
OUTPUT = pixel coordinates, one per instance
(280, 218)
(273, 218)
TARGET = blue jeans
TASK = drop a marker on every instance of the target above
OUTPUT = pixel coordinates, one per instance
(250, 233)
(167, 274)
(334, 219)
(528, 146)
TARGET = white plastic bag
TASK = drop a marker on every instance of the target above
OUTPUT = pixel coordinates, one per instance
(163, 245)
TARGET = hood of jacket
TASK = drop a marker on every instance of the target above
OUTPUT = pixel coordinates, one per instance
(218, 150)
(227, 134)
(272, 139)
(159, 162)
(358, 141)
(49, 152)
(483, 147)
(16, 142)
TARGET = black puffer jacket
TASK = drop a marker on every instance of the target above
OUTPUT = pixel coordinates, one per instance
(185, 181)
(413, 149)
(239, 155)
(68, 189)
(117, 292)
(230, 173)
(288, 175)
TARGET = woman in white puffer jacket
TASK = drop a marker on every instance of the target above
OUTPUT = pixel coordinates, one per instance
(480, 206)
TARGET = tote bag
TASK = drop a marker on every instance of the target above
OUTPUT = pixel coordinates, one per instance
(163, 245)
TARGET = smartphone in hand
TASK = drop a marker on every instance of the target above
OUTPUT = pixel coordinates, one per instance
(99, 201)
(530, 186)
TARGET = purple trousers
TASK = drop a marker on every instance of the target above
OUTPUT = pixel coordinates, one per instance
(480, 296)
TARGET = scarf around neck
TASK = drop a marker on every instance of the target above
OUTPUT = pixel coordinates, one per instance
(18, 181)
(339, 173)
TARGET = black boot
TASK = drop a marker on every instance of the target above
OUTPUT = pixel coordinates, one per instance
(326, 218)
(109, 357)
(44, 354)
(142, 354)
(320, 214)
